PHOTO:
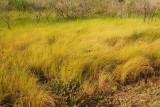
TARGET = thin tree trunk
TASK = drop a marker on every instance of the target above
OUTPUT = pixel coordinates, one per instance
(9, 27)
(145, 13)
(38, 20)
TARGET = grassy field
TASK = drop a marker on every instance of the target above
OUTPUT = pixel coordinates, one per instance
(73, 62)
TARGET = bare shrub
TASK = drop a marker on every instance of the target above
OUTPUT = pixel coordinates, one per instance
(113, 7)
(48, 10)
(154, 7)
(36, 7)
(147, 8)
(3, 4)
(70, 8)
(5, 14)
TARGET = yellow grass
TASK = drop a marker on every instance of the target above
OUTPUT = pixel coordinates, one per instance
(75, 51)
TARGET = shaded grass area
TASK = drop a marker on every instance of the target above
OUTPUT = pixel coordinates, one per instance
(79, 62)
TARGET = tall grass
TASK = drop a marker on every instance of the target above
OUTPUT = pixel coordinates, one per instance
(86, 52)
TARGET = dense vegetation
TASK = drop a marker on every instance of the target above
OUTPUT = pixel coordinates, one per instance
(73, 9)
(79, 53)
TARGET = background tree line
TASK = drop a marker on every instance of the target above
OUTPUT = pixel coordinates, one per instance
(70, 9)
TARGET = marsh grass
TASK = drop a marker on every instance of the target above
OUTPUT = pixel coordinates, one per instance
(90, 54)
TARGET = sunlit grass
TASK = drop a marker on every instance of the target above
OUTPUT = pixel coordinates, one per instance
(122, 50)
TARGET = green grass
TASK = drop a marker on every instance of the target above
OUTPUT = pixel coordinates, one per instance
(87, 52)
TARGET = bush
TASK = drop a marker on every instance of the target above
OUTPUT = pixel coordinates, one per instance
(71, 8)
(18, 4)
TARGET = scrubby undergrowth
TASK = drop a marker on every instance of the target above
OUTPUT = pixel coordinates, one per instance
(81, 62)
